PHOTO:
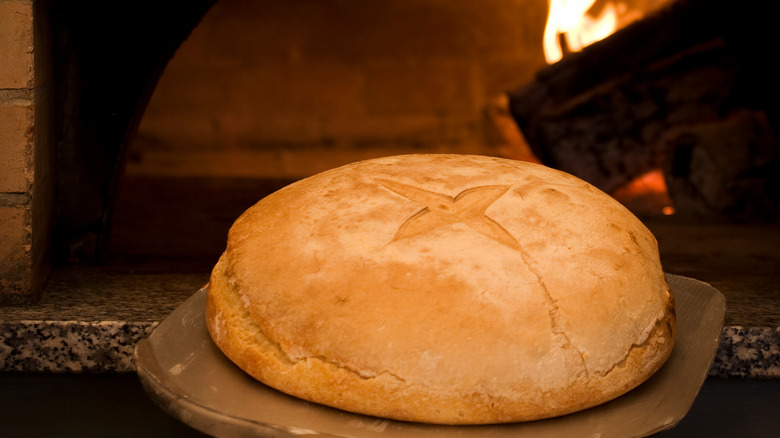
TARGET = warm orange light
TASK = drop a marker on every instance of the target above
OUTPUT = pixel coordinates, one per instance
(569, 19)
(646, 194)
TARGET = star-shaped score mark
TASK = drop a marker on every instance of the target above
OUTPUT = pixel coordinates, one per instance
(468, 208)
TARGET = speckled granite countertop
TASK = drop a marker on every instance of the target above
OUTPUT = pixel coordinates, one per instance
(90, 321)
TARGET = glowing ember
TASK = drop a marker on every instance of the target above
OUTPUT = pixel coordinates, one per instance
(569, 19)
(646, 195)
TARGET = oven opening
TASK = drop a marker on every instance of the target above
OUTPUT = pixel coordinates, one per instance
(653, 102)
(265, 93)
(161, 134)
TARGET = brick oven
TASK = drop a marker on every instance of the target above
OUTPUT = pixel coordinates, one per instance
(260, 91)
(163, 127)
(95, 118)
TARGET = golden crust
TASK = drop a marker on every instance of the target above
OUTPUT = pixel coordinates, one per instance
(443, 288)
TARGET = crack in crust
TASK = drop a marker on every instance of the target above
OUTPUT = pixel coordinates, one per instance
(574, 354)
(666, 323)
(468, 208)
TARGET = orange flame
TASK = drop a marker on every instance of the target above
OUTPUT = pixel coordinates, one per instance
(646, 194)
(569, 21)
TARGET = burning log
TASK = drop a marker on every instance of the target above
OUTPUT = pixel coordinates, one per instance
(662, 93)
(728, 166)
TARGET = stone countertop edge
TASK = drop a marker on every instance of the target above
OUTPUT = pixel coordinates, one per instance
(107, 346)
(71, 346)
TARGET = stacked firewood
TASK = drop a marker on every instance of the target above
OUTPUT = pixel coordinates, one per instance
(675, 91)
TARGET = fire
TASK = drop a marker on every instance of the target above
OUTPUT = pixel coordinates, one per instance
(569, 24)
(646, 194)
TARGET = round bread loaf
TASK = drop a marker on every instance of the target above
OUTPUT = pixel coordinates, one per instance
(450, 289)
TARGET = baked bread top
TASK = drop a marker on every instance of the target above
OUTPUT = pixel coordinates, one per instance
(443, 288)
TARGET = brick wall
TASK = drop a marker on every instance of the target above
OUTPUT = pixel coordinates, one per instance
(16, 147)
(22, 260)
(289, 87)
